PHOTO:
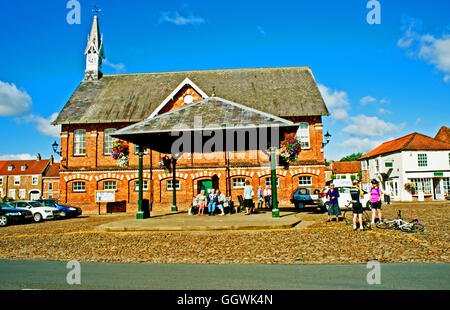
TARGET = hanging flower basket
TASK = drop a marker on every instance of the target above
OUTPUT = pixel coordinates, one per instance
(166, 164)
(120, 152)
(290, 148)
(410, 187)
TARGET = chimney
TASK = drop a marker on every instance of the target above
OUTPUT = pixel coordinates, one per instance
(52, 160)
(39, 157)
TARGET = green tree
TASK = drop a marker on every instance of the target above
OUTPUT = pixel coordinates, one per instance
(352, 157)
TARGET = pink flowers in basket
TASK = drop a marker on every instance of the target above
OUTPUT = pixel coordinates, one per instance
(290, 147)
(120, 152)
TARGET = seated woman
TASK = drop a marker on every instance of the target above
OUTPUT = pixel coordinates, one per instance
(201, 200)
(220, 201)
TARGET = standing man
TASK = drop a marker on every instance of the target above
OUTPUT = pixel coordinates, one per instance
(333, 204)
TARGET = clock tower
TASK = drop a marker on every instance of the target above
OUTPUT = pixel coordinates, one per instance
(94, 53)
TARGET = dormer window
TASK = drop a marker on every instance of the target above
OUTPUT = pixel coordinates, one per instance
(10, 167)
(24, 167)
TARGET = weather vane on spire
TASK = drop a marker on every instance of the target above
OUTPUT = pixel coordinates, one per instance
(96, 10)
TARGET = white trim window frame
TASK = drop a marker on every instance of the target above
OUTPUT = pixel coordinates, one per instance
(79, 142)
(17, 180)
(110, 185)
(304, 180)
(238, 182)
(422, 160)
(169, 185)
(108, 140)
(303, 135)
(268, 181)
(144, 186)
(79, 187)
(34, 180)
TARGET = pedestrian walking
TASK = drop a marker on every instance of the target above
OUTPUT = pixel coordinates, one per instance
(248, 197)
(260, 197)
(267, 194)
(375, 200)
(333, 204)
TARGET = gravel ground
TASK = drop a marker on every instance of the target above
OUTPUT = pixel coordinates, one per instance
(329, 243)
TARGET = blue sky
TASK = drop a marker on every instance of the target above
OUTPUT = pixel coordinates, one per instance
(380, 81)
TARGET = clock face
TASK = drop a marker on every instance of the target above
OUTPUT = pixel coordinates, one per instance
(188, 99)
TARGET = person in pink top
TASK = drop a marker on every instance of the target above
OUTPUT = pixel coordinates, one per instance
(375, 200)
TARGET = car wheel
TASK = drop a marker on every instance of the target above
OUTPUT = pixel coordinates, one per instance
(3, 220)
(37, 217)
(63, 214)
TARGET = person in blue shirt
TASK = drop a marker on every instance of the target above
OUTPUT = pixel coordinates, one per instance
(333, 205)
(213, 199)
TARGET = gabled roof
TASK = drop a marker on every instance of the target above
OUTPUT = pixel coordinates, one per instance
(340, 167)
(412, 142)
(52, 171)
(134, 97)
(443, 134)
(34, 167)
(211, 113)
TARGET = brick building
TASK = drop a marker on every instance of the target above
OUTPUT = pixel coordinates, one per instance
(23, 179)
(345, 169)
(50, 182)
(103, 104)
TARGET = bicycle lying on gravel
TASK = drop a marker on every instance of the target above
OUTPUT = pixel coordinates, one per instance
(410, 227)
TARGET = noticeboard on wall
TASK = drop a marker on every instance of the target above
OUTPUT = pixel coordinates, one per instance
(105, 196)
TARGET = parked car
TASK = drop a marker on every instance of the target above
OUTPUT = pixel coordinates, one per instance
(344, 200)
(10, 214)
(65, 211)
(40, 212)
(305, 196)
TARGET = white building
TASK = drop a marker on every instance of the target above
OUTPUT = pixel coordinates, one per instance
(413, 159)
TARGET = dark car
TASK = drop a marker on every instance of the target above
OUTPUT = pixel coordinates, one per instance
(10, 214)
(305, 196)
(65, 211)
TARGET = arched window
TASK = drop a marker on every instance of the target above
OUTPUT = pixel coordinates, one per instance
(108, 141)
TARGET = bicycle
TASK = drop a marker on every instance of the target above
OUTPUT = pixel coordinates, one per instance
(365, 217)
(410, 227)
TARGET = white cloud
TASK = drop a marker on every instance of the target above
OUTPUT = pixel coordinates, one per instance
(13, 101)
(178, 19)
(17, 157)
(356, 145)
(43, 125)
(384, 111)
(336, 101)
(367, 99)
(367, 126)
(433, 49)
(119, 67)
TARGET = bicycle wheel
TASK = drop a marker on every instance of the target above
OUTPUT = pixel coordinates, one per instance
(413, 228)
(385, 224)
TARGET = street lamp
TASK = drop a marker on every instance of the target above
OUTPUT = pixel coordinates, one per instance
(327, 139)
(55, 146)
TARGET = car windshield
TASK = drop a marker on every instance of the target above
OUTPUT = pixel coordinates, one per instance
(5, 206)
(35, 204)
(48, 203)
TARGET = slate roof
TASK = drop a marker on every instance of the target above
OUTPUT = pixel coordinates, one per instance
(412, 142)
(209, 114)
(283, 92)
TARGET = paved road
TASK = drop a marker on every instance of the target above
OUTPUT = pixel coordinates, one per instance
(101, 276)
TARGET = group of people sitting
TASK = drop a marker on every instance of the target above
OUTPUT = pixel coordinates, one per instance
(213, 200)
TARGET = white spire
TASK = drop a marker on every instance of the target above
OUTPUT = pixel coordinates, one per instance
(94, 53)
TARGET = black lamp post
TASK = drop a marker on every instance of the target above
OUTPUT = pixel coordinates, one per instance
(55, 146)
(327, 139)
